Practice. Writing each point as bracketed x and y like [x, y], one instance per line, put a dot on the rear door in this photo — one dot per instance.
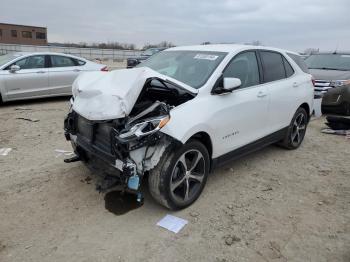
[30, 81]
[282, 82]
[62, 73]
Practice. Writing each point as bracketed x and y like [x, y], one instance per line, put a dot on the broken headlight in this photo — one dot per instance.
[146, 128]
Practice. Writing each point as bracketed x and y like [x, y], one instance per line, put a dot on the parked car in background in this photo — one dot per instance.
[184, 111]
[332, 74]
[132, 62]
[337, 101]
[35, 75]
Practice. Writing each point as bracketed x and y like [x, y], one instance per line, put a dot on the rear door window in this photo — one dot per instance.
[273, 66]
[61, 61]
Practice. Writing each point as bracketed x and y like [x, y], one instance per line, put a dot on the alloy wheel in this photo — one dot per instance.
[299, 129]
[187, 176]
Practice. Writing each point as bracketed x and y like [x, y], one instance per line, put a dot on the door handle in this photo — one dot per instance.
[295, 84]
[40, 72]
[261, 94]
[76, 70]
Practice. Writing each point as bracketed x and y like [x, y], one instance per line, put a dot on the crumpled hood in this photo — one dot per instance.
[105, 96]
[320, 74]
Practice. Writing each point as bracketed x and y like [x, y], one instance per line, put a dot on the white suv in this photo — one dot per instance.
[182, 112]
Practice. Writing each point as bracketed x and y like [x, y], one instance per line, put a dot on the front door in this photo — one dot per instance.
[242, 118]
[31, 80]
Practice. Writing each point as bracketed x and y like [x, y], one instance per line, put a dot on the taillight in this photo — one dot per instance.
[104, 69]
[313, 81]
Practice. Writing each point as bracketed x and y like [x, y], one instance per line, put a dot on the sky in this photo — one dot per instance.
[294, 25]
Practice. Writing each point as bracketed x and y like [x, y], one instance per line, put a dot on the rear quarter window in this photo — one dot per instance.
[288, 67]
[300, 62]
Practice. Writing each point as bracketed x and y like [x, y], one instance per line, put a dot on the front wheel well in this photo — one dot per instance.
[204, 138]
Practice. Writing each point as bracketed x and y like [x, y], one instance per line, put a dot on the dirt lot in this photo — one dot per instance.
[274, 205]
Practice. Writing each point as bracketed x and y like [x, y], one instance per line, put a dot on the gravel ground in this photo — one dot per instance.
[273, 205]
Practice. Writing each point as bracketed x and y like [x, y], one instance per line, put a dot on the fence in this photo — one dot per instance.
[88, 53]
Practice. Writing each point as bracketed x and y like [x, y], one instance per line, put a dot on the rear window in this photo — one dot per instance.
[273, 66]
[299, 61]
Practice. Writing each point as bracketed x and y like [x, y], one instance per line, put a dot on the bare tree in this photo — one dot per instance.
[165, 44]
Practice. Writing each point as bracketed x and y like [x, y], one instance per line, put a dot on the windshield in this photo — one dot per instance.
[190, 67]
[329, 61]
[7, 58]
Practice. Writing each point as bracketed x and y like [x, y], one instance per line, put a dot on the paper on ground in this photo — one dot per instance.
[172, 223]
[5, 151]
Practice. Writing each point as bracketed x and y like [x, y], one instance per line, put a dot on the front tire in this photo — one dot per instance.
[296, 130]
[180, 176]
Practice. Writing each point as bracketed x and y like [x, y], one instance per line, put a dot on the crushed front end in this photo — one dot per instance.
[122, 150]
[119, 150]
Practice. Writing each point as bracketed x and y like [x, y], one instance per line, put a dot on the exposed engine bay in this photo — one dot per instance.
[121, 150]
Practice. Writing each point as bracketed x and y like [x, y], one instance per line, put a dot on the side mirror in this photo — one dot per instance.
[231, 84]
[14, 68]
[225, 85]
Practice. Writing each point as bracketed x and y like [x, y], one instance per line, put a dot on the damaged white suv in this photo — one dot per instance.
[182, 112]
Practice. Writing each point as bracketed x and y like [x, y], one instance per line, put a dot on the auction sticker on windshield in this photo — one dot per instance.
[207, 57]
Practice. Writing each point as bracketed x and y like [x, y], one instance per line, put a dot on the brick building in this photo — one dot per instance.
[22, 34]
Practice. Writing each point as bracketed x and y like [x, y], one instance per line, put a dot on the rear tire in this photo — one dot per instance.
[180, 176]
[296, 130]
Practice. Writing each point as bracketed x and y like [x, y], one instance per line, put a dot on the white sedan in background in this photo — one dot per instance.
[34, 75]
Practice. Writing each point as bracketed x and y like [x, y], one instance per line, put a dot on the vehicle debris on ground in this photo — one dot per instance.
[28, 119]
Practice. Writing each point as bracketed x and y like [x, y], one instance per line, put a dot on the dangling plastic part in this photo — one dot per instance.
[134, 182]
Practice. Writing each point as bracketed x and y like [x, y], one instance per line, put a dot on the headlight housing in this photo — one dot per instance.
[339, 83]
[146, 127]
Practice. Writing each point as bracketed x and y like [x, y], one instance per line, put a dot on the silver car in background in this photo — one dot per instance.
[35, 75]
